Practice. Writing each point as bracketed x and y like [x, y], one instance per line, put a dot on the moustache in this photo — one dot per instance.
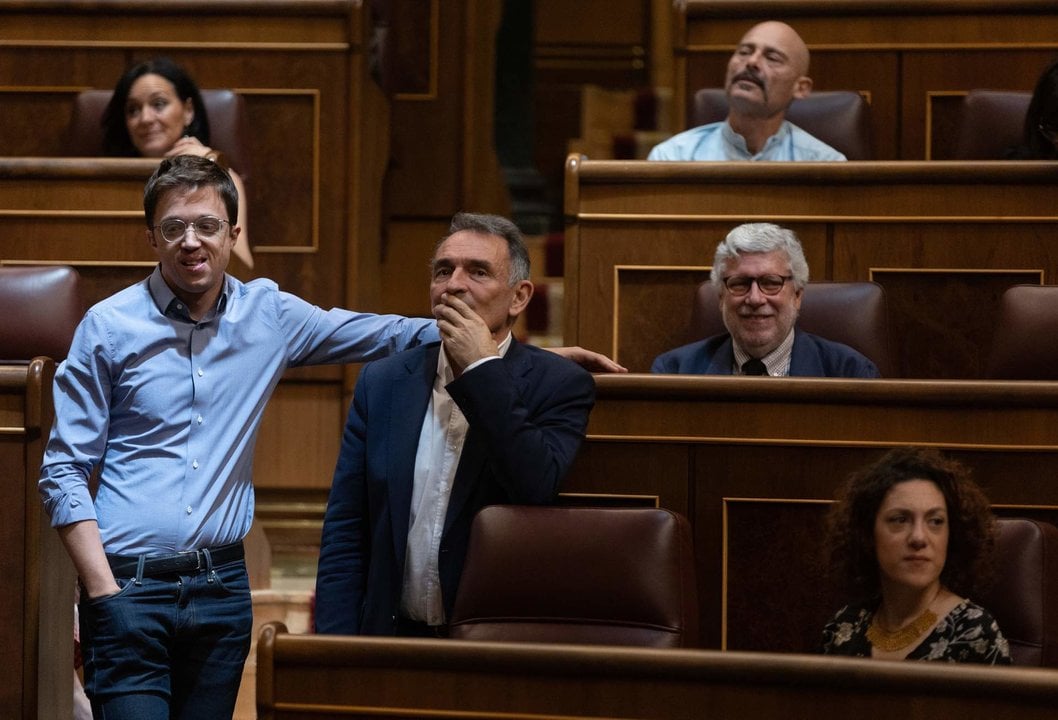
[749, 75]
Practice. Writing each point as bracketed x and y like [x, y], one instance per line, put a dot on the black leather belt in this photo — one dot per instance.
[181, 563]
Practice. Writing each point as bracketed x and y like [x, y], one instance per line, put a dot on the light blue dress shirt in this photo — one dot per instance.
[718, 142]
[171, 407]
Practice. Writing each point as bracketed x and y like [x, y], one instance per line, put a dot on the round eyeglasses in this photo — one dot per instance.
[205, 228]
[739, 285]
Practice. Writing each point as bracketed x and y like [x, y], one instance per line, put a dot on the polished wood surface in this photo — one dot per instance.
[943, 238]
[913, 60]
[82, 212]
[303, 676]
[37, 594]
[752, 462]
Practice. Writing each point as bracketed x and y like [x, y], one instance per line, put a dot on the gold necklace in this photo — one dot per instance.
[893, 640]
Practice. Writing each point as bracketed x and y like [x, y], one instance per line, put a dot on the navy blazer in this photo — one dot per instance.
[811, 356]
[526, 414]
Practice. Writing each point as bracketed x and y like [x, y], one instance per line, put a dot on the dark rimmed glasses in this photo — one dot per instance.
[205, 228]
[739, 285]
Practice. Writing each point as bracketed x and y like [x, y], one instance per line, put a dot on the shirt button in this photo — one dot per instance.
[194, 464]
[199, 419]
[188, 509]
[200, 373]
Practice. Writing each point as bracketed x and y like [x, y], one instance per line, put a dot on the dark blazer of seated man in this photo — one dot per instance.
[760, 273]
[435, 435]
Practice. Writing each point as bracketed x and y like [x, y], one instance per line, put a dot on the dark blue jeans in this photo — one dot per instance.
[169, 647]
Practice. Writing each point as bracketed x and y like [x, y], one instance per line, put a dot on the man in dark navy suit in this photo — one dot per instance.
[436, 433]
[759, 273]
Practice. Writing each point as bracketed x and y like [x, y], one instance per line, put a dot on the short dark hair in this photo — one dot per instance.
[850, 523]
[189, 172]
[500, 227]
[116, 140]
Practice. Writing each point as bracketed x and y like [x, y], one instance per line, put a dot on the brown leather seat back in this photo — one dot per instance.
[991, 122]
[840, 118]
[610, 576]
[1024, 597]
[1025, 343]
[227, 126]
[41, 308]
[852, 313]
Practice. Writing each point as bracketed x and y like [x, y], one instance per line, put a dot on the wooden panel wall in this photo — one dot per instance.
[943, 238]
[910, 57]
[752, 463]
[300, 67]
[37, 594]
[601, 42]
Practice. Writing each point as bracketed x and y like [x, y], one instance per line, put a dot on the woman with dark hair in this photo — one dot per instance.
[1041, 120]
[157, 111]
[912, 536]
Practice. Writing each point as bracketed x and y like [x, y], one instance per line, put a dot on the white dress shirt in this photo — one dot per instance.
[444, 430]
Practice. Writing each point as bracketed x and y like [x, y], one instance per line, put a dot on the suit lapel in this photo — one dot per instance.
[473, 460]
[804, 362]
[723, 360]
[409, 396]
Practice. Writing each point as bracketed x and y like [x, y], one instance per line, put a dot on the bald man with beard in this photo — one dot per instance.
[767, 71]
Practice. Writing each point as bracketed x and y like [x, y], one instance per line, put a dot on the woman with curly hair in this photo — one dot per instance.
[912, 536]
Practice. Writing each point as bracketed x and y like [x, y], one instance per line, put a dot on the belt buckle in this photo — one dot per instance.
[198, 558]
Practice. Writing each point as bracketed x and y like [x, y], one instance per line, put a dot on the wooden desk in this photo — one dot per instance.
[83, 212]
[37, 592]
[943, 238]
[752, 464]
[303, 676]
[912, 59]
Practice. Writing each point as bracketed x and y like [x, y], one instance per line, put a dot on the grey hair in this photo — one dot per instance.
[500, 227]
[760, 238]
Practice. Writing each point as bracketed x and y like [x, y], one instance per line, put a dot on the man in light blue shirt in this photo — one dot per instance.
[162, 392]
[768, 70]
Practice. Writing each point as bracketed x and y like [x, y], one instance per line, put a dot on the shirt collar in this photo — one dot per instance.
[739, 142]
[173, 307]
[777, 361]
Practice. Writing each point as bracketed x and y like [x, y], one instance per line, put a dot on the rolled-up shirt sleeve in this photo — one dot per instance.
[78, 435]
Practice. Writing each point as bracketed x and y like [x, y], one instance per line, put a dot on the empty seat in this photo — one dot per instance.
[840, 118]
[991, 123]
[852, 313]
[1025, 343]
[41, 308]
[610, 576]
[227, 126]
[1024, 596]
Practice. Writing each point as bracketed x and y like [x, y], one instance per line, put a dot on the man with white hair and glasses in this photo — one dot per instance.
[760, 273]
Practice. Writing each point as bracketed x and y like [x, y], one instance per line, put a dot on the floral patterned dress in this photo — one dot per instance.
[967, 634]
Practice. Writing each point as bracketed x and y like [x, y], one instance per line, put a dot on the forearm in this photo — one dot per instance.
[533, 448]
[85, 547]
